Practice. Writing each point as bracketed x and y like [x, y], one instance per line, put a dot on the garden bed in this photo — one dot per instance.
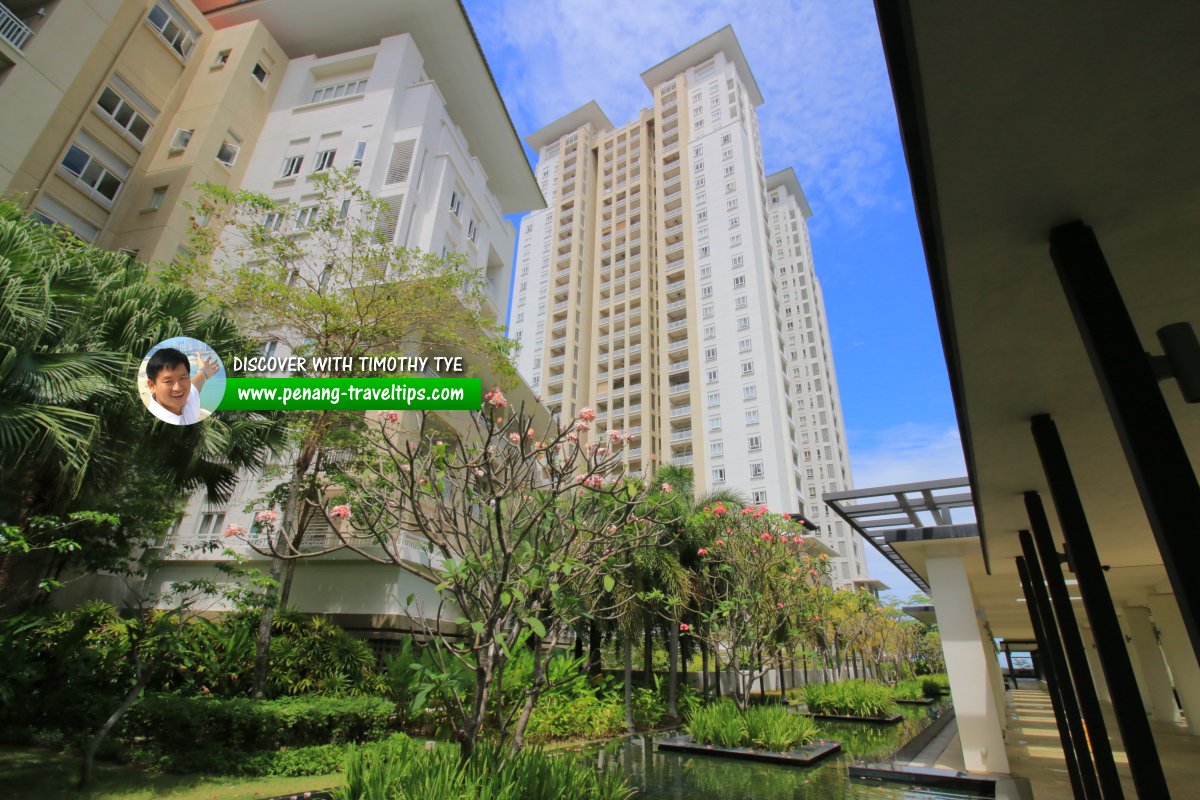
[924, 701]
[800, 757]
[891, 719]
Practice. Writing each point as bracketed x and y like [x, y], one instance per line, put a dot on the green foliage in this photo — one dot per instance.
[421, 683]
[400, 770]
[850, 698]
[585, 716]
[910, 689]
[175, 724]
[936, 685]
[771, 728]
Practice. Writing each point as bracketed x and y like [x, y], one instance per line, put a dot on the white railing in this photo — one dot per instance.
[680, 436]
[12, 30]
[680, 411]
[677, 366]
[680, 345]
[682, 461]
[680, 388]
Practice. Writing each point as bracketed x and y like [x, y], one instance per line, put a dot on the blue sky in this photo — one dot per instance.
[827, 112]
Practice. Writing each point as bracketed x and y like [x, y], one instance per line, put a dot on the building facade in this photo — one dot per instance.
[156, 96]
[651, 289]
[817, 407]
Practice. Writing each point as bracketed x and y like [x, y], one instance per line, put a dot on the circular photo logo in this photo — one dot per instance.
[181, 380]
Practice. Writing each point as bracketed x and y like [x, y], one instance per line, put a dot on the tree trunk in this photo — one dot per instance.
[89, 755]
[648, 655]
[531, 696]
[627, 648]
[782, 680]
[672, 671]
[704, 671]
[577, 654]
[594, 660]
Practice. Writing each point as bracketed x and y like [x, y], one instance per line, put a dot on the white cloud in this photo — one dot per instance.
[827, 112]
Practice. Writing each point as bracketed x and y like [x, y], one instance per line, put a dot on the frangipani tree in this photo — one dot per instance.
[525, 534]
[760, 582]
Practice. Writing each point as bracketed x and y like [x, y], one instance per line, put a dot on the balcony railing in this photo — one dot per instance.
[680, 388]
[12, 30]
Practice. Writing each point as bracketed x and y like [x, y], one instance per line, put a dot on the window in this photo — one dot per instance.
[747, 368]
[735, 240]
[726, 138]
[716, 448]
[752, 416]
[718, 475]
[756, 471]
[707, 312]
[291, 166]
[173, 28]
[754, 442]
[102, 180]
[730, 187]
[360, 151]
[339, 90]
[739, 281]
[760, 498]
[227, 153]
[710, 331]
[744, 345]
[181, 138]
[269, 347]
[260, 73]
[741, 301]
[210, 524]
[455, 203]
[714, 423]
[734, 222]
[273, 221]
[472, 230]
[737, 261]
[727, 153]
[711, 376]
[705, 272]
[221, 60]
[156, 198]
[701, 215]
[324, 160]
[344, 211]
[743, 323]
[714, 398]
[710, 354]
[306, 216]
[125, 116]
[706, 291]
[750, 392]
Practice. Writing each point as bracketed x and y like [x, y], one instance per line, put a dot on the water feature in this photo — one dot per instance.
[674, 776]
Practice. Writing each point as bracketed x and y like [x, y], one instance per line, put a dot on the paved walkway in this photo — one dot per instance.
[1034, 751]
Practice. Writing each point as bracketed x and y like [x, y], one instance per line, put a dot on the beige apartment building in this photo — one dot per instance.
[651, 290]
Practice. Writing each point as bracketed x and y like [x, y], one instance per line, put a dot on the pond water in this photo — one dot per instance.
[678, 776]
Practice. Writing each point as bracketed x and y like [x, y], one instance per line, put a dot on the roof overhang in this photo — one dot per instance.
[924, 614]
[1009, 130]
[589, 113]
[453, 60]
[723, 40]
[787, 179]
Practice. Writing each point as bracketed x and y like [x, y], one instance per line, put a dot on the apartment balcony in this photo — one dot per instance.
[677, 304]
[679, 345]
[12, 30]
[672, 197]
[681, 411]
[561, 306]
[554, 362]
[677, 366]
[555, 398]
[631, 410]
[681, 435]
[676, 285]
[674, 248]
[681, 388]
[634, 452]
[677, 325]
[563, 257]
[635, 430]
[682, 460]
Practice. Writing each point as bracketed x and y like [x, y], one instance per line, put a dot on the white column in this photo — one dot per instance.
[967, 657]
[1177, 647]
[1154, 669]
[1093, 659]
[1134, 661]
[995, 679]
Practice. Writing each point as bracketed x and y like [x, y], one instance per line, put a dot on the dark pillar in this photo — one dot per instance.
[1081, 673]
[1012, 675]
[1155, 452]
[1144, 763]
[1053, 682]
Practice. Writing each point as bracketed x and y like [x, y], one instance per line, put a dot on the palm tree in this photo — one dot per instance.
[681, 483]
[75, 321]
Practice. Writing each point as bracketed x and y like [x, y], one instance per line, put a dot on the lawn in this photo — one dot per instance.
[33, 774]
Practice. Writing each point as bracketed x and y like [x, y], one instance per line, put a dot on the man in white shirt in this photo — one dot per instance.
[174, 391]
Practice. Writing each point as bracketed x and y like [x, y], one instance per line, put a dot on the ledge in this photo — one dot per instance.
[925, 701]
[803, 757]
[922, 776]
[894, 718]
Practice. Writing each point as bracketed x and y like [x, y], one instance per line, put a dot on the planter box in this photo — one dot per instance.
[803, 757]
[894, 718]
[924, 701]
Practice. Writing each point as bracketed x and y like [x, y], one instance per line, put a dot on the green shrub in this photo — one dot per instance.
[936, 685]
[911, 689]
[400, 768]
[765, 727]
[775, 728]
[584, 716]
[721, 724]
[852, 698]
[171, 726]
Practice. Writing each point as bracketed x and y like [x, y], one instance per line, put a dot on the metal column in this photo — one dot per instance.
[1081, 674]
[1144, 763]
[1157, 459]
[1054, 683]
